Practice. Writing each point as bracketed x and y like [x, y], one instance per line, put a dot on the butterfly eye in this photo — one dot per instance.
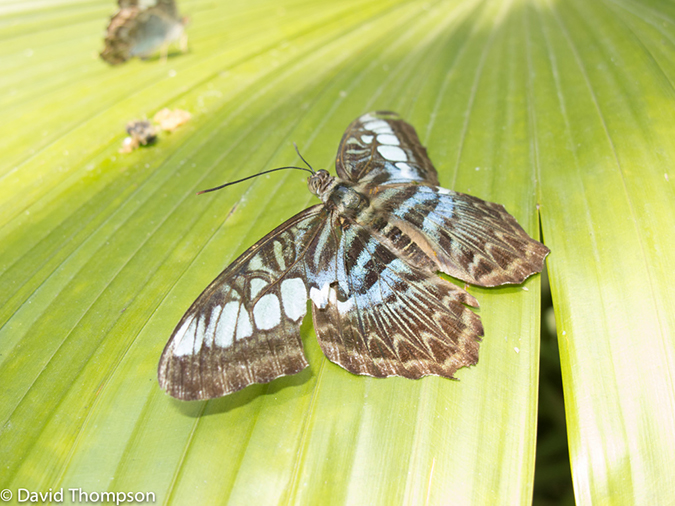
[320, 182]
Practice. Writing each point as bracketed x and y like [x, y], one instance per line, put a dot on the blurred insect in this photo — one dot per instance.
[136, 31]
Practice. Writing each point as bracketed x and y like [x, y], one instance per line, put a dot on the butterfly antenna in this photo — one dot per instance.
[254, 175]
[302, 158]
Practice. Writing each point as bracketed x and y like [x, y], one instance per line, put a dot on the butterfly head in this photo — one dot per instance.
[339, 196]
[320, 183]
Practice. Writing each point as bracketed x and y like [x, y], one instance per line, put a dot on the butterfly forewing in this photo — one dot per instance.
[245, 327]
[380, 148]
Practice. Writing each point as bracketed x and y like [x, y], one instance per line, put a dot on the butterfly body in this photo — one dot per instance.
[366, 258]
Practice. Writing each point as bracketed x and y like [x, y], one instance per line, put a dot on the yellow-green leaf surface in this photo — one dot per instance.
[563, 107]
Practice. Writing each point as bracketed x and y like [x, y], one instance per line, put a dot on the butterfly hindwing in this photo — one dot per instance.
[380, 148]
[245, 327]
[382, 316]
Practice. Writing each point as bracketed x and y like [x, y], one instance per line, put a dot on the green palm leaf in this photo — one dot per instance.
[565, 107]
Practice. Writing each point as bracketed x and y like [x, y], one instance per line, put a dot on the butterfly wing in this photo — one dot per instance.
[382, 316]
[245, 327]
[380, 148]
[470, 239]
[386, 312]
[473, 240]
[133, 31]
[156, 26]
[119, 40]
[168, 7]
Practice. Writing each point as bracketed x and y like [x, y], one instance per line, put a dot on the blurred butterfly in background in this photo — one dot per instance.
[140, 31]
[367, 258]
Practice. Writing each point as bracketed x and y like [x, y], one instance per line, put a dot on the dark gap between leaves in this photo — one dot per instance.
[552, 475]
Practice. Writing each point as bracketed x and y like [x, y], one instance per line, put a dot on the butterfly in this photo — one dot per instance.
[135, 31]
[367, 258]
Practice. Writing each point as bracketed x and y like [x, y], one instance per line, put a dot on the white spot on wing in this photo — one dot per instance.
[244, 328]
[257, 284]
[199, 335]
[255, 264]
[389, 139]
[267, 313]
[294, 297]
[406, 170]
[185, 338]
[392, 153]
[378, 123]
[345, 306]
[383, 130]
[367, 139]
[210, 331]
[320, 296]
[227, 324]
